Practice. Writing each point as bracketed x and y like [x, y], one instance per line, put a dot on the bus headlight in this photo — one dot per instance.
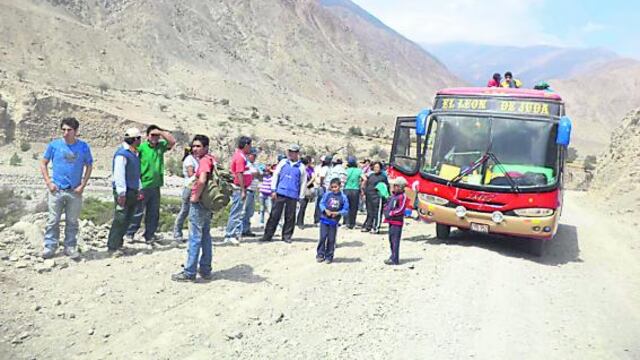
[533, 212]
[461, 211]
[497, 217]
[431, 199]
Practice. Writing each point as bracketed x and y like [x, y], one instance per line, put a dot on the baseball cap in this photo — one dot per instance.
[132, 133]
[294, 147]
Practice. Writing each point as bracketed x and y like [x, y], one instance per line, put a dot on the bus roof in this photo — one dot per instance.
[506, 92]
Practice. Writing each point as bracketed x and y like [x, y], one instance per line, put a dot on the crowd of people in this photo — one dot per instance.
[284, 189]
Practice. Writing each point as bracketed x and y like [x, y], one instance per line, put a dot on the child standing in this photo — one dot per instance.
[265, 193]
[333, 205]
[394, 216]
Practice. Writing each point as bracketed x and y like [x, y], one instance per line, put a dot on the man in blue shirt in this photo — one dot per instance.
[71, 162]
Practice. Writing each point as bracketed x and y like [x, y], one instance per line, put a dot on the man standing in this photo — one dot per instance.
[241, 181]
[321, 174]
[289, 179]
[126, 187]
[70, 158]
[250, 201]
[199, 218]
[151, 154]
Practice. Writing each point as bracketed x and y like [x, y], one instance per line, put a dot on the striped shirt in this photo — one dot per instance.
[265, 186]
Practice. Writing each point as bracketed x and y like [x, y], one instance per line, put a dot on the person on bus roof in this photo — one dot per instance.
[544, 86]
[495, 80]
[510, 82]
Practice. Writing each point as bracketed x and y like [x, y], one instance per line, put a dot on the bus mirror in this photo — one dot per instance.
[564, 131]
[421, 122]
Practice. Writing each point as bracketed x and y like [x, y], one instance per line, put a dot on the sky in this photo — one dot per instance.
[612, 24]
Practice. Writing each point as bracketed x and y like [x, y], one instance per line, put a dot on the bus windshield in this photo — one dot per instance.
[523, 153]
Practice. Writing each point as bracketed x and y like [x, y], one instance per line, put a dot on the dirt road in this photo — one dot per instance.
[471, 297]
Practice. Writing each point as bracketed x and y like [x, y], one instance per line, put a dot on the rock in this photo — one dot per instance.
[41, 268]
[13, 258]
[91, 331]
[4, 255]
[280, 318]
[21, 265]
[58, 302]
[37, 307]
[101, 292]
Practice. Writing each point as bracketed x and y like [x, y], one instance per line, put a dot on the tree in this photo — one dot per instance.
[572, 155]
[590, 162]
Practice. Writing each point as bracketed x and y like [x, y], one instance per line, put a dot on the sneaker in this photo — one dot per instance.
[208, 276]
[182, 277]
[301, 227]
[389, 262]
[115, 253]
[328, 261]
[249, 234]
[72, 253]
[319, 259]
[48, 253]
[365, 230]
[232, 241]
[264, 239]
[288, 241]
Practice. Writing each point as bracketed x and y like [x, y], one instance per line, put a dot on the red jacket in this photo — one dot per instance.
[493, 83]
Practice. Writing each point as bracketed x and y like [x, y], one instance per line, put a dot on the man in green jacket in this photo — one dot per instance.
[151, 154]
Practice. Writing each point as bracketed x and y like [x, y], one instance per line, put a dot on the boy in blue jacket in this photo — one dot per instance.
[333, 205]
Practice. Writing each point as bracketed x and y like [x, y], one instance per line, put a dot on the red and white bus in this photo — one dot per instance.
[489, 160]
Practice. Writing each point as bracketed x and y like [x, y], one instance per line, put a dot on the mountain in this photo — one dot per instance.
[313, 60]
[617, 170]
[598, 100]
[476, 63]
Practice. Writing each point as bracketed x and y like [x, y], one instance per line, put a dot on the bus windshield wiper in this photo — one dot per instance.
[481, 160]
[512, 182]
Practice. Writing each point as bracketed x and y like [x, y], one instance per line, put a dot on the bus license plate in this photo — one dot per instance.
[481, 228]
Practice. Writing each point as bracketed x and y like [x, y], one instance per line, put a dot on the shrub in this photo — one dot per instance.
[374, 150]
[572, 155]
[355, 131]
[224, 102]
[173, 166]
[12, 207]
[103, 86]
[220, 218]
[267, 118]
[590, 162]
[97, 211]
[21, 75]
[15, 160]
[25, 146]
[202, 116]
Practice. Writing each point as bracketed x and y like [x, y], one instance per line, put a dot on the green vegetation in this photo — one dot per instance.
[25, 146]
[572, 155]
[12, 206]
[15, 160]
[173, 166]
[590, 162]
[355, 131]
[97, 211]
[103, 86]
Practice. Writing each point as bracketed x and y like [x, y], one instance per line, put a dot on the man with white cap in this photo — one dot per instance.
[288, 185]
[126, 187]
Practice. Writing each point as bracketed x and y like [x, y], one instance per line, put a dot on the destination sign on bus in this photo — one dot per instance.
[498, 105]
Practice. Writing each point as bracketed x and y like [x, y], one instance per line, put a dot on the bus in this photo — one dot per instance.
[486, 160]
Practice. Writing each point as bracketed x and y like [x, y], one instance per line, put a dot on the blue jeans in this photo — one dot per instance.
[70, 203]
[236, 216]
[150, 208]
[183, 214]
[327, 243]
[199, 239]
[265, 206]
[249, 210]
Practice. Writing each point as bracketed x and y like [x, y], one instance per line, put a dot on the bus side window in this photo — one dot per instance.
[429, 164]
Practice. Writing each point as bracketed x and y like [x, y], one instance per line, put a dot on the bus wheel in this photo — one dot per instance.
[443, 231]
[536, 247]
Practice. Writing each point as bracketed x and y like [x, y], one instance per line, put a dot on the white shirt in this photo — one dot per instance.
[193, 162]
[120, 172]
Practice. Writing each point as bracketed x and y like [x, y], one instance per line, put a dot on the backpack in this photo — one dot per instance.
[217, 191]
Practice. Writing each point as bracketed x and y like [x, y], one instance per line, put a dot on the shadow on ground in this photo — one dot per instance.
[563, 249]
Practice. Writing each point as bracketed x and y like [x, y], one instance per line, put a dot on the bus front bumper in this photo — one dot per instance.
[531, 227]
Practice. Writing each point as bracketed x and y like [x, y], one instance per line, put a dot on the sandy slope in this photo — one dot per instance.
[471, 297]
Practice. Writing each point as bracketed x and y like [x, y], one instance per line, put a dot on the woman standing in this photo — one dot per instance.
[373, 198]
[352, 189]
[189, 167]
[309, 192]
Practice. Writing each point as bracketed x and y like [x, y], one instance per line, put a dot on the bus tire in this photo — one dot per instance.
[442, 231]
[536, 247]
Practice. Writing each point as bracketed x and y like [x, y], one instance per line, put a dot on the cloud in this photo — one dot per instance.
[591, 27]
[498, 22]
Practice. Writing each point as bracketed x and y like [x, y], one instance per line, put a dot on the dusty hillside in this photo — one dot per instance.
[618, 169]
[597, 100]
[302, 58]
